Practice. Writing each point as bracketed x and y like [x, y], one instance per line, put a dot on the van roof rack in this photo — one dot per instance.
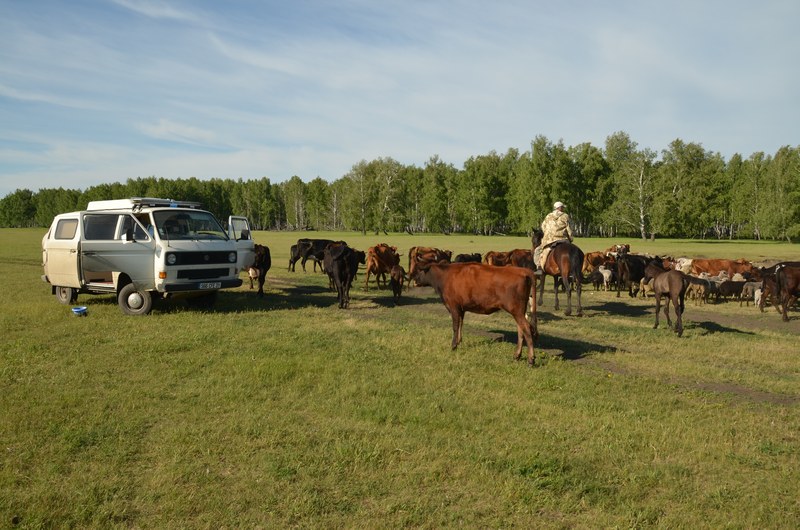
[137, 203]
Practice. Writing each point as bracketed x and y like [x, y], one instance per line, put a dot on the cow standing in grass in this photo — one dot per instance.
[485, 289]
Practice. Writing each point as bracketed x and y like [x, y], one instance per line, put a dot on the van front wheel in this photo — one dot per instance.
[66, 295]
[133, 301]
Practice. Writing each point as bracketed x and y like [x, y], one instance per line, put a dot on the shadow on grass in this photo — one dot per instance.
[622, 309]
[709, 328]
[569, 349]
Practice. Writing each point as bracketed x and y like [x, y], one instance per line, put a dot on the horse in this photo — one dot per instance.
[672, 285]
[564, 262]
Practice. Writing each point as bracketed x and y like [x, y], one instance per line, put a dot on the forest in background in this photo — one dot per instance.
[619, 190]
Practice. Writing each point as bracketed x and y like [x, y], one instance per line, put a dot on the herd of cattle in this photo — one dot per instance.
[506, 280]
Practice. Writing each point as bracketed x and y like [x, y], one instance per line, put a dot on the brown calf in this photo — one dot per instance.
[380, 260]
[485, 289]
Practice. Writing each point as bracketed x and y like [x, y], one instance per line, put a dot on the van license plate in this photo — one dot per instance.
[211, 285]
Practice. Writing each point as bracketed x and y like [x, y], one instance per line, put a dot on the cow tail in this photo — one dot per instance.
[534, 320]
[780, 279]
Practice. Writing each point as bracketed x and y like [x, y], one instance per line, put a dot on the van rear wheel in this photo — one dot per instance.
[66, 295]
[133, 301]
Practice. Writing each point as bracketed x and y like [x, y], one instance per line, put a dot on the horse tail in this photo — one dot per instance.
[576, 265]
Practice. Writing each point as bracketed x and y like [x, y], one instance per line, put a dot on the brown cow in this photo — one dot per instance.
[484, 289]
[714, 266]
[418, 256]
[787, 282]
[520, 257]
[593, 260]
[380, 260]
[398, 278]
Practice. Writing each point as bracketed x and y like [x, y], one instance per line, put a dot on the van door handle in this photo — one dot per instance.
[89, 253]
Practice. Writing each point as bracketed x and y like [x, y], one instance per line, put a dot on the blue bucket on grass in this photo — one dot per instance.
[79, 311]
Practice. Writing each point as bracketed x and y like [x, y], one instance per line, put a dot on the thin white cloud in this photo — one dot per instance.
[157, 10]
[176, 89]
[40, 97]
[177, 132]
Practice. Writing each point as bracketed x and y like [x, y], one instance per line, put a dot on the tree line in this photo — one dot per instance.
[620, 190]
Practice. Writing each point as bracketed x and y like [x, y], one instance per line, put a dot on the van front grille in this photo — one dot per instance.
[202, 274]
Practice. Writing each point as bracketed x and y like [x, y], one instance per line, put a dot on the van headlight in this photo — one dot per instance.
[232, 257]
[172, 259]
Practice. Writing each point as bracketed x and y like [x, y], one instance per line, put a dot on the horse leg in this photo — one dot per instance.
[667, 300]
[555, 291]
[578, 294]
[568, 287]
[658, 309]
[678, 303]
[541, 291]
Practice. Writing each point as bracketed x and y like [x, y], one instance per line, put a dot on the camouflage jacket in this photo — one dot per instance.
[556, 227]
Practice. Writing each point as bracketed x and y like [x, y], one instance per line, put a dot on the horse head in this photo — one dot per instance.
[536, 237]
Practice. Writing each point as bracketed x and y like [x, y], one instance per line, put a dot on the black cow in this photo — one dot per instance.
[310, 249]
[468, 258]
[294, 257]
[630, 271]
[262, 264]
[341, 264]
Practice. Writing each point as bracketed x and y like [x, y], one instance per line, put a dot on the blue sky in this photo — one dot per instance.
[100, 91]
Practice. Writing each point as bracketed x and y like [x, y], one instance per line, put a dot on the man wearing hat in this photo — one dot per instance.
[556, 228]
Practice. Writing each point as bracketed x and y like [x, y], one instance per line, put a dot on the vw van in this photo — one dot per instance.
[142, 249]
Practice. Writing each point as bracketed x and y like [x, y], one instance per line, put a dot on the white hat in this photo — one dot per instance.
[558, 204]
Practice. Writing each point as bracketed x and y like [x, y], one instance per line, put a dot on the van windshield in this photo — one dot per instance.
[187, 225]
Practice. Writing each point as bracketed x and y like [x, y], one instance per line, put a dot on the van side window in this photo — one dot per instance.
[99, 226]
[66, 228]
[128, 222]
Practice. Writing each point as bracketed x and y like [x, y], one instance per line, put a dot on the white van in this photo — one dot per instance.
[144, 248]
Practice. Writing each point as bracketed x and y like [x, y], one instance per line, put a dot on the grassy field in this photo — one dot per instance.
[289, 412]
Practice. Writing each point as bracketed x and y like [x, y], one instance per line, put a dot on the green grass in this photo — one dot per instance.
[288, 412]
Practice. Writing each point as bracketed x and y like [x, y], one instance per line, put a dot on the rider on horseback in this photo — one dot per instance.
[556, 229]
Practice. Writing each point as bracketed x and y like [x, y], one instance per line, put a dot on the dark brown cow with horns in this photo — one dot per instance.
[485, 289]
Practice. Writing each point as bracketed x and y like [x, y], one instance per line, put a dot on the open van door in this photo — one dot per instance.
[239, 231]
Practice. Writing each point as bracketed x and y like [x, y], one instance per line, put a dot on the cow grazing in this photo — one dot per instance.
[261, 264]
[294, 256]
[341, 265]
[397, 279]
[468, 258]
[380, 260]
[310, 249]
[485, 289]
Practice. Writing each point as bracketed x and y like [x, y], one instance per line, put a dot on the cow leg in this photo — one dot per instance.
[524, 332]
[262, 278]
[458, 320]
